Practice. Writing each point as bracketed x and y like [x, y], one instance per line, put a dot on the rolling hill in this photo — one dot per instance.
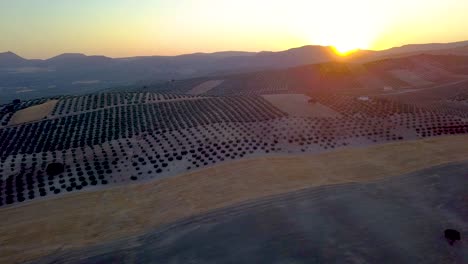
[77, 73]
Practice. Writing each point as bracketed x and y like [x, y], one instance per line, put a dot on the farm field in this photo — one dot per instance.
[118, 137]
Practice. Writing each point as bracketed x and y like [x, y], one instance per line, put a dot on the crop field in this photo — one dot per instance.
[107, 139]
[86, 103]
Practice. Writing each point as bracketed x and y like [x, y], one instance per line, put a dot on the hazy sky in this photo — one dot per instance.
[119, 28]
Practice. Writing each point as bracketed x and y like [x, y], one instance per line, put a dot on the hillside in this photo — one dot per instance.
[376, 77]
[76, 73]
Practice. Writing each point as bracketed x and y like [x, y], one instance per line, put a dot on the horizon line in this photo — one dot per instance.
[226, 51]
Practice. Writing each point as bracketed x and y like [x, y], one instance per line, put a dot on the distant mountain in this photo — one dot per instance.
[67, 56]
[75, 72]
[10, 59]
[423, 47]
[459, 51]
[463, 51]
[221, 54]
[75, 66]
[283, 59]
[454, 48]
[77, 61]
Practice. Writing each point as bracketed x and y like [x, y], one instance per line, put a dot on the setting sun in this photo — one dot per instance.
[351, 27]
[344, 50]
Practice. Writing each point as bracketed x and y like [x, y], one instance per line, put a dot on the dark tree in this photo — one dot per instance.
[54, 169]
[9, 108]
[452, 235]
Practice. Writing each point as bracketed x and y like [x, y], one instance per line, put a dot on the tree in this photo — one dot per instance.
[54, 169]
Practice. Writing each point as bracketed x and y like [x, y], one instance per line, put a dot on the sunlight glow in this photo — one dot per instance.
[344, 50]
[121, 28]
[352, 27]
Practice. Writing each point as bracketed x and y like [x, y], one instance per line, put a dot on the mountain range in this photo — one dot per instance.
[73, 73]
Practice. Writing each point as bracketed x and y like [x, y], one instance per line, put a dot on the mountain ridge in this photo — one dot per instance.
[396, 49]
[70, 73]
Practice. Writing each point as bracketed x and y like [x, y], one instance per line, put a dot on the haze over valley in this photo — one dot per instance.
[76, 73]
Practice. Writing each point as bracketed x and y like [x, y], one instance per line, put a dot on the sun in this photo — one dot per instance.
[344, 50]
[343, 42]
[349, 29]
[346, 44]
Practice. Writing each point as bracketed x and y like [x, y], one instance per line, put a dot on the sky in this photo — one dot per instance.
[123, 28]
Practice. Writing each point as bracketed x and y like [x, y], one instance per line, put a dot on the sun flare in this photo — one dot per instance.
[345, 40]
[344, 50]
[352, 27]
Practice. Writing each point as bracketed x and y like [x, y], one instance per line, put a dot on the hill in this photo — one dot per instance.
[9, 59]
[411, 48]
[375, 77]
[78, 73]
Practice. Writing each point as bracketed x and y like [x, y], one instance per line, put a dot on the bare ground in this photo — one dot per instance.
[298, 105]
[392, 220]
[33, 113]
[205, 87]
